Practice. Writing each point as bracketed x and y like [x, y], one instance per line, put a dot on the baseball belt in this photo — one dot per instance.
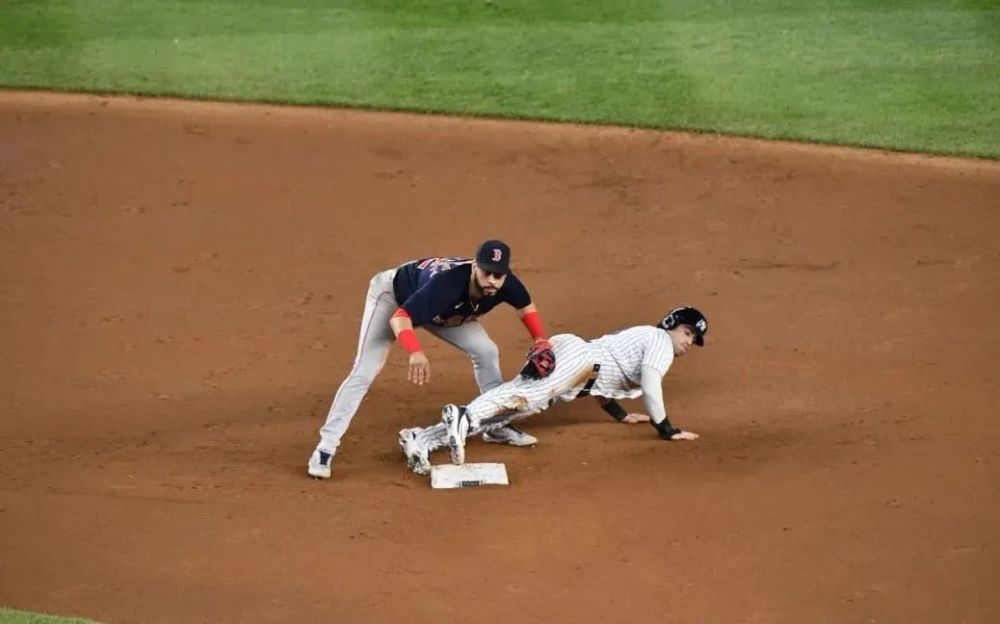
[590, 382]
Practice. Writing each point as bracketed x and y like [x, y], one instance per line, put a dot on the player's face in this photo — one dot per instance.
[488, 282]
[683, 338]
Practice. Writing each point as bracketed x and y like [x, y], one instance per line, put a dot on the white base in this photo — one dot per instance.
[448, 476]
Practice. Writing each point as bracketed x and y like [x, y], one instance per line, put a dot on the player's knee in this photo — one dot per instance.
[364, 375]
[485, 352]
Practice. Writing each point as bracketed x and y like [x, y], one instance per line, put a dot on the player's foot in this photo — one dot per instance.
[417, 457]
[319, 464]
[456, 419]
[509, 434]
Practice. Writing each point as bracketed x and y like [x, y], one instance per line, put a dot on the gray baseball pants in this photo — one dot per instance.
[374, 342]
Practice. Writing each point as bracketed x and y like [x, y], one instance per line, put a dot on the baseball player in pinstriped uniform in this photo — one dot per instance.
[621, 365]
[445, 296]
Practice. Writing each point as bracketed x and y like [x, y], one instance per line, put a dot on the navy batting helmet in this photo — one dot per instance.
[686, 315]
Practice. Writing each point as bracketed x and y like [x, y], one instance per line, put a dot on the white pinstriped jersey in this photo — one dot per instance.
[622, 356]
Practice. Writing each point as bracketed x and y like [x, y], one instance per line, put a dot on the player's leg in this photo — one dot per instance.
[419, 442]
[374, 341]
[520, 397]
[473, 340]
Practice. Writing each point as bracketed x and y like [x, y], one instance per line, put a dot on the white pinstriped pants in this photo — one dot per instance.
[520, 398]
[374, 342]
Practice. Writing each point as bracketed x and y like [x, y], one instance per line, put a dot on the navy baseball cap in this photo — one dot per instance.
[494, 256]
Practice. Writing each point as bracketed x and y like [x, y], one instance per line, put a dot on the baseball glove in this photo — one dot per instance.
[541, 361]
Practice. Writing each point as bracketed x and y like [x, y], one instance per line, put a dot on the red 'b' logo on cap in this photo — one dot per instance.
[497, 255]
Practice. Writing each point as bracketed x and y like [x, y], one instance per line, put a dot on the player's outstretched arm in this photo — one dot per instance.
[652, 395]
[420, 367]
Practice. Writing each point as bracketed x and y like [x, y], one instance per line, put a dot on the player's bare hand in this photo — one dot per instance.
[633, 419]
[684, 435]
[420, 368]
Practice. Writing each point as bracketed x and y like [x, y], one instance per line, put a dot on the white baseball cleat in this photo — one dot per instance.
[456, 419]
[417, 456]
[509, 434]
[319, 464]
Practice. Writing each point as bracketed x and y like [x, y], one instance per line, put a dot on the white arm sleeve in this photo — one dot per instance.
[652, 393]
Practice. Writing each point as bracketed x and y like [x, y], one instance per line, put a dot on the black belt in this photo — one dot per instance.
[590, 382]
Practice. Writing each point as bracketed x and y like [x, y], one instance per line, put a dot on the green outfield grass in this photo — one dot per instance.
[917, 75]
[9, 616]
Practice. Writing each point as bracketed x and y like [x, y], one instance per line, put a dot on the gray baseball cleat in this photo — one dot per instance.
[456, 419]
[319, 464]
[509, 434]
[417, 456]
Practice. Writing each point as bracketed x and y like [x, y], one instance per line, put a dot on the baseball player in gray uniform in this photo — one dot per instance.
[445, 296]
[623, 365]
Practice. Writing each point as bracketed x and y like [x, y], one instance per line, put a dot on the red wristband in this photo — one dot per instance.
[533, 321]
[408, 338]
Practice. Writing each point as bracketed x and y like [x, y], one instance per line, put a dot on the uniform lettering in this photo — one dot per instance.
[437, 265]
